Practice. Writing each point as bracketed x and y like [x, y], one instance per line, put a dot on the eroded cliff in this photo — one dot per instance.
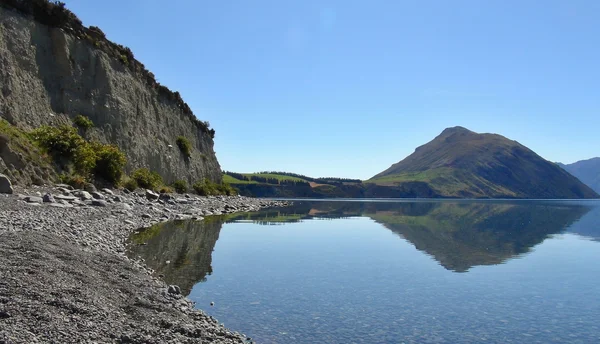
[50, 74]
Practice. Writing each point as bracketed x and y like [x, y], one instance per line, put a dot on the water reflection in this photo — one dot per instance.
[459, 235]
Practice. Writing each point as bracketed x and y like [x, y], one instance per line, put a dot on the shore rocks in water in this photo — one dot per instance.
[5, 185]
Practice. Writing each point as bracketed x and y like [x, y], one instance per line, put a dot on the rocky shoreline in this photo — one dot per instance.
[65, 277]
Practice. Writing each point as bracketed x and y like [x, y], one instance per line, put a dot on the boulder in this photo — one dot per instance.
[48, 198]
[33, 199]
[99, 203]
[151, 195]
[97, 195]
[5, 185]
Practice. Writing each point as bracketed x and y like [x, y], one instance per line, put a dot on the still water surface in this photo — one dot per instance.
[393, 272]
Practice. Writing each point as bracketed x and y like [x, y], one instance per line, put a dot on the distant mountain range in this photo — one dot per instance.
[461, 163]
[588, 171]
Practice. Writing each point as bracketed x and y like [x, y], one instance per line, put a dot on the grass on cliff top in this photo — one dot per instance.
[231, 180]
[279, 177]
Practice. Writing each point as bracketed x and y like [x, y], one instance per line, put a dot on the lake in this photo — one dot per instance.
[392, 271]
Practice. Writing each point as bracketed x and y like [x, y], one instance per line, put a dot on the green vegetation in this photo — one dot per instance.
[231, 180]
[208, 188]
[83, 122]
[124, 59]
[110, 162]
[180, 186]
[144, 178]
[165, 189]
[184, 146]
[130, 184]
[76, 181]
[73, 153]
[21, 142]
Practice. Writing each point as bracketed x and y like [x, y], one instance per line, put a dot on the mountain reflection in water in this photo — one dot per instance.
[457, 234]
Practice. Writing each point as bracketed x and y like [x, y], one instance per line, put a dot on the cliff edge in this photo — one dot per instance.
[52, 69]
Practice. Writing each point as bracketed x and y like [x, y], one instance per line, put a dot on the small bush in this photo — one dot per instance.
[208, 188]
[110, 162]
[226, 189]
[76, 181]
[184, 146]
[165, 189]
[147, 179]
[130, 184]
[124, 59]
[180, 186]
[205, 188]
[83, 122]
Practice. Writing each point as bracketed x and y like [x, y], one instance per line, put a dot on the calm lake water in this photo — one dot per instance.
[393, 272]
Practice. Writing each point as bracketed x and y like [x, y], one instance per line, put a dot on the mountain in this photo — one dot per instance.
[53, 69]
[465, 164]
[588, 171]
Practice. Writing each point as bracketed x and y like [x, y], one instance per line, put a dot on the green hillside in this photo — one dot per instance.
[461, 163]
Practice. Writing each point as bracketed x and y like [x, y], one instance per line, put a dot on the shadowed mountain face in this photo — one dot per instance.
[588, 171]
[461, 163]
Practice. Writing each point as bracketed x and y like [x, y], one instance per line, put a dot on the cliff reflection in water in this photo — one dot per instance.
[179, 250]
[459, 235]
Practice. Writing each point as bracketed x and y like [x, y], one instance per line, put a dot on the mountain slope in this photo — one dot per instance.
[462, 163]
[588, 171]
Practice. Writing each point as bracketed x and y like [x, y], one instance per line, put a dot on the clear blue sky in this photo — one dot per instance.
[346, 88]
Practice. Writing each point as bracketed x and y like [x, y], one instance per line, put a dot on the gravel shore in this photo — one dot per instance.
[65, 278]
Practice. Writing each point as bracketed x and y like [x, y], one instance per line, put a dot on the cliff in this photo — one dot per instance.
[53, 69]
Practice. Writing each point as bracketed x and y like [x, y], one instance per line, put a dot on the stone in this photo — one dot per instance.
[129, 222]
[97, 195]
[108, 191]
[34, 199]
[151, 195]
[48, 198]
[89, 187]
[99, 203]
[146, 216]
[65, 198]
[64, 186]
[165, 197]
[118, 199]
[60, 205]
[63, 191]
[174, 289]
[83, 195]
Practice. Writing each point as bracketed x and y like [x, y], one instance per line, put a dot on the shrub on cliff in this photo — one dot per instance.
[110, 162]
[184, 146]
[83, 122]
[180, 186]
[70, 151]
[147, 179]
[208, 188]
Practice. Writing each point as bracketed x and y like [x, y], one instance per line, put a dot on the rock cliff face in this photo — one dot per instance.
[48, 75]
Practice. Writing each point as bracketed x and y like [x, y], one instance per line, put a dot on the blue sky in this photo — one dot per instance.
[346, 88]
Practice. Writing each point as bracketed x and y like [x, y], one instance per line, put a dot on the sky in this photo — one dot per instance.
[346, 88]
